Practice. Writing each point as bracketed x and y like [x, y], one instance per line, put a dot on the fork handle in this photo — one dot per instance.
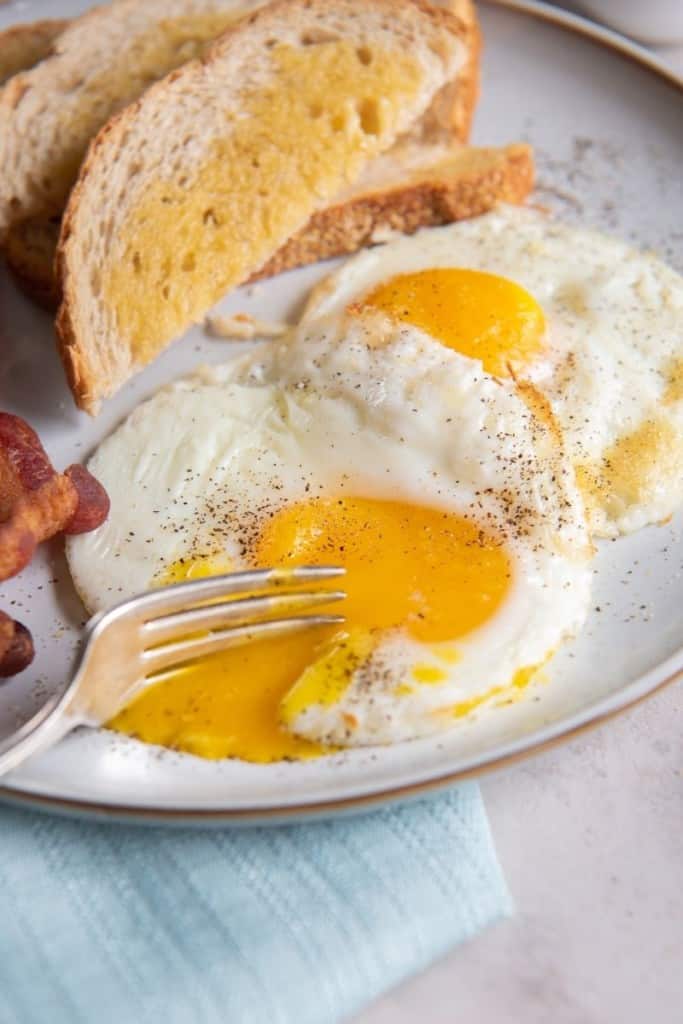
[43, 730]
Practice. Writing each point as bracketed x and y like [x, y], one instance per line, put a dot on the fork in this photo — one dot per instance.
[131, 646]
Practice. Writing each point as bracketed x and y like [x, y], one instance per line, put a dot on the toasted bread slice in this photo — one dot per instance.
[22, 46]
[425, 188]
[49, 114]
[189, 191]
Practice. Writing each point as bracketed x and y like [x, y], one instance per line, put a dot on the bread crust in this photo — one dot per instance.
[22, 46]
[471, 184]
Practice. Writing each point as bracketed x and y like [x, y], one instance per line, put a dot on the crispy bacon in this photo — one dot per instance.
[92, 501]
[16, 646]
[36, 516]
[25, 459]
[36, 503]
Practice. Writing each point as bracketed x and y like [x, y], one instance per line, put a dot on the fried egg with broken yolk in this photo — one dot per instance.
[594, 325]
[360, 444]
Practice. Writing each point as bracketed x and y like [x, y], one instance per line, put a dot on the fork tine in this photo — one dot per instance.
[233, 612]
[164, 657]
[179, 596]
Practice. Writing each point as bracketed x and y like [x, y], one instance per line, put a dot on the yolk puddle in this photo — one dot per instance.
[480, 315]
[429, 674]
[432, 573]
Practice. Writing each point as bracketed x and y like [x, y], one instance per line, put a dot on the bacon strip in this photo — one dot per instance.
[92, 501]
[36, 503]
[36, 516]
[16, 646]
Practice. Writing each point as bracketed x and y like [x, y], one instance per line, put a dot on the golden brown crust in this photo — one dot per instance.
[22, 46]
[467, 187]
[74, 358]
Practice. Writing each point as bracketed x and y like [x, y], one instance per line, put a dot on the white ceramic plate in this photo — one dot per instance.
[607, 125]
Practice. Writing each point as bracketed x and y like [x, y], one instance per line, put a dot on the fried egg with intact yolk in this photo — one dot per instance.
[362, 444]
[594, 325]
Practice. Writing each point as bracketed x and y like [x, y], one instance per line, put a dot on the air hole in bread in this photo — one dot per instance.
[316, 36]
[189, 263]
[364, 54]
[315, 110]
[137, 262]
[339, 122]
[209, 217]
[370, 120]
[166, 291]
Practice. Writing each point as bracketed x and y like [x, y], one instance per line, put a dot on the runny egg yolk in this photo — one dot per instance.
[431, 573]
[480, 315]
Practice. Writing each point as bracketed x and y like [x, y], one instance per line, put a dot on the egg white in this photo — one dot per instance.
[614, 343]
[350, 405]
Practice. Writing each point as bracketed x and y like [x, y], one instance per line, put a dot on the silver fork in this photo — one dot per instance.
[133, 644]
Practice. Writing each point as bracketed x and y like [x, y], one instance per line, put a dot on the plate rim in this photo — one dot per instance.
[589, 718]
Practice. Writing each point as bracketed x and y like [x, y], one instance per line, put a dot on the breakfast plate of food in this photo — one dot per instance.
[390, 287]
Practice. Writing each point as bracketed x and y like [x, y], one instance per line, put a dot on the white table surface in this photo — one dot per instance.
[590, 837]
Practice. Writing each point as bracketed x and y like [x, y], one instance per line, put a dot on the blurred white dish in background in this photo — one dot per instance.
[657, 21]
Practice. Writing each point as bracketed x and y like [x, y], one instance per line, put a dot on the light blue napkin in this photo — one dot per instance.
[295, 925]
